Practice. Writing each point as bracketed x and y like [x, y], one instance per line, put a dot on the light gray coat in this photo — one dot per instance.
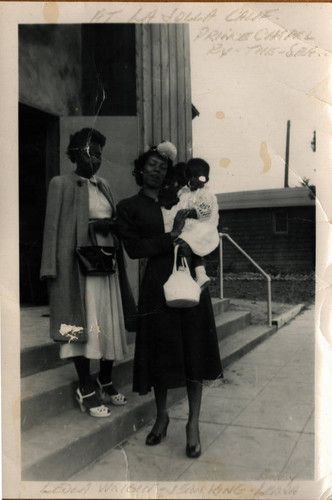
[66, 227]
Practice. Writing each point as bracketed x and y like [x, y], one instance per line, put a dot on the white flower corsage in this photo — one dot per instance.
[70, 331]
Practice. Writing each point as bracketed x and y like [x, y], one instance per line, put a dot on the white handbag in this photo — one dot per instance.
[181, 290]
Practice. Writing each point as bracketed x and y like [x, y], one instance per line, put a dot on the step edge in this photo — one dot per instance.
[139, 407]
[128, 360]
[246, 347]
[226, 361]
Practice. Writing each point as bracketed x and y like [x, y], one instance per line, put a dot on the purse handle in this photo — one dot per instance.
[185, 264]
[183, 261]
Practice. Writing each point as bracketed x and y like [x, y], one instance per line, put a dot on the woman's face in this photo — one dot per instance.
[154, 172]
[89, 160]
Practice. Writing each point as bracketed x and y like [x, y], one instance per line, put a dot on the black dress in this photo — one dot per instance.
[172, 344]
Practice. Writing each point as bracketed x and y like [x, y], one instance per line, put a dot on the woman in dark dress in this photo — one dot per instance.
[174, 347]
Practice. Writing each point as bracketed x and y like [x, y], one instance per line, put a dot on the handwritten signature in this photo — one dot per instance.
[216, 490]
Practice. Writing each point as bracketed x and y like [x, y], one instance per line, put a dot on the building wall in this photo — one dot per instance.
[51, 79]
[109, 76]
[50, 67]
[253, 230]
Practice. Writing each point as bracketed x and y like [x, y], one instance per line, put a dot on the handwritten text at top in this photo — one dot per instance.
[178, 15]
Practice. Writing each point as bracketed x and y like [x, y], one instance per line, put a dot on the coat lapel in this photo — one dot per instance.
[107, 193]
[82, 209]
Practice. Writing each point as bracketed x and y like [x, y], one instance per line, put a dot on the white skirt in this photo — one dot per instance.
[104, 321]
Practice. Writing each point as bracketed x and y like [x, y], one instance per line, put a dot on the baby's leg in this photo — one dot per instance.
[197, 261]
[201, 277]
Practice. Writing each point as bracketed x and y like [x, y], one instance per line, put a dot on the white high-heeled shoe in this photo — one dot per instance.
[99, 411]
[116, 399]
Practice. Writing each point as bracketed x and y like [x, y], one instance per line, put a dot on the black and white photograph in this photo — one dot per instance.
[166, 260]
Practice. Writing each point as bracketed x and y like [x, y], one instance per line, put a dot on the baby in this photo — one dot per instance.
[201, 234]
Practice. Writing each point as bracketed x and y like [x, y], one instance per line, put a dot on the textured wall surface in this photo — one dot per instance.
[50, 67]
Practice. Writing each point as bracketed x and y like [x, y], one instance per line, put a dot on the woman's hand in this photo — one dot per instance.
[104, 226]
[179, 222]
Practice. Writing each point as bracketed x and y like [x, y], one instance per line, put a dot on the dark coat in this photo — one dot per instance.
[66, 227]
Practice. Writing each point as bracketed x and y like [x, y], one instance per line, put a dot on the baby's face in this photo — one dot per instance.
[196, 178]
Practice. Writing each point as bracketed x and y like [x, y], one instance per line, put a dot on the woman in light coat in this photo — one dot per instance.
[85, 311]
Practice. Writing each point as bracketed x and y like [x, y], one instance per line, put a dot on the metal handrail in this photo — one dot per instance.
[266, 276]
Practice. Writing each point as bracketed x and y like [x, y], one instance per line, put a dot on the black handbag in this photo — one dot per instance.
[96, 260]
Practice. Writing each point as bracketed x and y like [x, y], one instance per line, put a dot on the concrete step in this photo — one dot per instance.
[50, 392]
[230, 322]
[64, 444]
[220, 305]
[40, 353]
[38, 359]
[243, 341]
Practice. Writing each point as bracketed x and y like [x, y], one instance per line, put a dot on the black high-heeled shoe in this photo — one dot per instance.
[152, 439]
[195, 450]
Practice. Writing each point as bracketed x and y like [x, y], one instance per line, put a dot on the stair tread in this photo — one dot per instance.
[243, 337]
[54, 378]
[35, 325]
[216, 300]
[57, 377]
[60, 431]
[227, 316]
[56, 438]
[68, 427]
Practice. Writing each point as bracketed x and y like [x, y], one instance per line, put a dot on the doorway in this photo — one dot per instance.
[38, 163]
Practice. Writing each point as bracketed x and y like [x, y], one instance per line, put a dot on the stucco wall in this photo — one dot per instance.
[50, 67]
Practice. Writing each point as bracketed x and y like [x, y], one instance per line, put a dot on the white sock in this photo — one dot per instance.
[200, 270]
